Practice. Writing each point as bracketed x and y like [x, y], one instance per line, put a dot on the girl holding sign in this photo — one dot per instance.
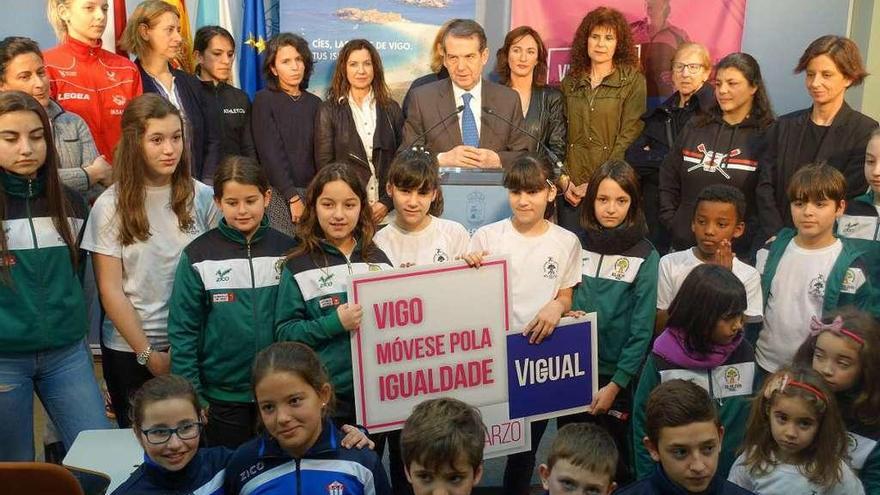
[544, 269]
[703, 342]
[619, 283]
[336, 241]
[417, 236]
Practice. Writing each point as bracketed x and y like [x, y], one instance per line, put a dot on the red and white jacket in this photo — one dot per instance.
[94, 84]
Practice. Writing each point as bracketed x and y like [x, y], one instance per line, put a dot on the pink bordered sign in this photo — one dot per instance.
[427, 332]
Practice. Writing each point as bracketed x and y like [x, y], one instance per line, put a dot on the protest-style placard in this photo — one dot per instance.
[556, 377]
[429, 332]
[504, 436]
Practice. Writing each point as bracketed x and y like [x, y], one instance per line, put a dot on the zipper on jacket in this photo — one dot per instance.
[877, 229]
[253, 294]
[599, 265]
[298, 476]
[27, 203]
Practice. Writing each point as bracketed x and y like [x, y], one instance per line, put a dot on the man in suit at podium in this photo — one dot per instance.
[471, 137]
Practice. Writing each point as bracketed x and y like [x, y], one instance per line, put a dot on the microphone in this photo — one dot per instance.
[553, 158]
[423, 135]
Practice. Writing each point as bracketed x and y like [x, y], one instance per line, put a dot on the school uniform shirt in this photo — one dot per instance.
[204, 475]
[148, 266]
[222, 308]
[864, 443]
[42, 306]
[788, 479]
[619, 283]
[539, 266]
[799, 283]
[442, 240]
[660, 484]
[675, 267]
[312, 287]
[262, 467]
[728, 375]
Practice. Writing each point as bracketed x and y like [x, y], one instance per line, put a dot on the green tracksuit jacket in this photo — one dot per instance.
[222, 308]
[42, 306]
[622, 290]
[313, 285]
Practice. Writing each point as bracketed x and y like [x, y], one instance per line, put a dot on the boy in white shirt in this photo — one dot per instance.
[809, 271]
[718, 220]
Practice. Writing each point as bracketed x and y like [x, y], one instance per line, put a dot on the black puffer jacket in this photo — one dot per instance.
[337, 140]
[545, 120]
[663, 125]
[843, 148]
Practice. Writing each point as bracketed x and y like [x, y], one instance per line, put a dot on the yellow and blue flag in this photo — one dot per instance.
[253, 44]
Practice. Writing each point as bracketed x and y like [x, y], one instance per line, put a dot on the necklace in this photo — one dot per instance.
[294, 98]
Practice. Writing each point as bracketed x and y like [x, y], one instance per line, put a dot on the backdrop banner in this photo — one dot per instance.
[401, 30]
[658, 27]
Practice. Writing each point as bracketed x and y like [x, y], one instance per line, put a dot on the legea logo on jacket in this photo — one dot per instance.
[551, 268]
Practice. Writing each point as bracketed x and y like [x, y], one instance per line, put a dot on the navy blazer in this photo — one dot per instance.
[202, 134]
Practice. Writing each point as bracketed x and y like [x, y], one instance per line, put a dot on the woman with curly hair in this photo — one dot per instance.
[605, 95]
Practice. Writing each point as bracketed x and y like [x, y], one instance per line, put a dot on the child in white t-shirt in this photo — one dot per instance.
[718, 220]
[137, 229]
[544, 268]
[416, 235]
[808, 271]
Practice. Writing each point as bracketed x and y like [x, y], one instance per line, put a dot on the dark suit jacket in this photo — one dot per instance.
[431, 102]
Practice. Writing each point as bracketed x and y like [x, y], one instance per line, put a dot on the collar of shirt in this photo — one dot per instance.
[364, 116]
[476, 102]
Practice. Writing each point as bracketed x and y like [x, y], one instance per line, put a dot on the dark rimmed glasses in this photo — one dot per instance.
[186, 431]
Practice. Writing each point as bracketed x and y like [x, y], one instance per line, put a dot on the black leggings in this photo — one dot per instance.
[124, 377]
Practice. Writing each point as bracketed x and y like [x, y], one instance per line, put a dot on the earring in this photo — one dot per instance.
[323, 404]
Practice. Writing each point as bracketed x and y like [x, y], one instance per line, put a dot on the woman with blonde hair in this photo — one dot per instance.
[153, 36]
[87, 80]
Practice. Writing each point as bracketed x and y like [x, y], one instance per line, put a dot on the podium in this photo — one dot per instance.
[474, 197]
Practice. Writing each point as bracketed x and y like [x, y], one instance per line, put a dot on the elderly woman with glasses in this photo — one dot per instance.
[690, 66]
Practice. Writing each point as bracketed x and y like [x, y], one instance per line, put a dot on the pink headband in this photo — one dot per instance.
[781, 382]
[835, 327]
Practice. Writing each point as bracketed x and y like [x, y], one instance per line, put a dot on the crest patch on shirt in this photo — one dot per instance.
[620, 268]
[817, 286]
[335, 488]
[440, 256]
[551, 268]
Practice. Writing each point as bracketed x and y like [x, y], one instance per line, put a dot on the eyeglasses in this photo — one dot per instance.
[186, 431]
[691, 68]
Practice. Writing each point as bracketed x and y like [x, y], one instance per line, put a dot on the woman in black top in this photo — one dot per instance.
[690, 66]
[214, 49]
[360, 124]
[153, 35]
[829, 131]
[283, 117]
[522, 65]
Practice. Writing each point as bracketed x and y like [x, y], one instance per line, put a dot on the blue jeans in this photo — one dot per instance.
[64, 380]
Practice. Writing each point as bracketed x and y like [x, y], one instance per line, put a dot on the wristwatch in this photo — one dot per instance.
[144, 356]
